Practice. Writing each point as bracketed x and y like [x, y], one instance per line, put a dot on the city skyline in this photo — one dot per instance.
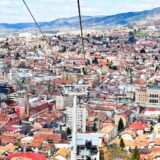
[80, 90]
[48, 10]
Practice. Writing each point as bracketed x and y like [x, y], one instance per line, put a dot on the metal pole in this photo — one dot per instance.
[74, 130]
[85, 154]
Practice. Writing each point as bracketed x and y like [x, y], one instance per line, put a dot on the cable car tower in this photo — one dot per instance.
[73, 90]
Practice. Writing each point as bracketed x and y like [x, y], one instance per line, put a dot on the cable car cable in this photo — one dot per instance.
[33, 18]
[81, 28]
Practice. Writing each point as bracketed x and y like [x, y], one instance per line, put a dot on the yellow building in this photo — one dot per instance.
[156, 129]
[70, 77]
[151, 95]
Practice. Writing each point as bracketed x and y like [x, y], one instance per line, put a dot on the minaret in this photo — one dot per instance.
[10, 75]
[49, 85]
[27, 105]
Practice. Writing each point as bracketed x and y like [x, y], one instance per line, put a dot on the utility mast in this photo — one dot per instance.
[75, 91]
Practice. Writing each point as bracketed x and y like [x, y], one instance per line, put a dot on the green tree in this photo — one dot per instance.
[122, 145]
[120, 125]
[17, 56]
[116, 153]
[158, 119]
[18, 144]
[114, 68]
[78, 52]
[135, 154]
[68, 131]
[94, 128]
[141, 108]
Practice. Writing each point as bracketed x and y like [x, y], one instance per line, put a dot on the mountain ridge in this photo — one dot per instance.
[89, 21]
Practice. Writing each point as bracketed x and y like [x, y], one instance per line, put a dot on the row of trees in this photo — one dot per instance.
[135, 154]
[116, 153]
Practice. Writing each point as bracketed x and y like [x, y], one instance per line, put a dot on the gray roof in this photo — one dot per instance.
[96, 138]
[156, 86]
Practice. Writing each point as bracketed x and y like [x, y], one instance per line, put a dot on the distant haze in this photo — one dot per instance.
[89, 21]
[13, 11]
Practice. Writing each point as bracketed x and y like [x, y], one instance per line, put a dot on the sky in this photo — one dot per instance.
[13, 11]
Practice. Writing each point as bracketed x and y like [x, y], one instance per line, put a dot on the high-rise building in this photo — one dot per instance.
[81, 118]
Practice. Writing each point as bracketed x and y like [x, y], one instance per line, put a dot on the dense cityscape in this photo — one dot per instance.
[60, 100]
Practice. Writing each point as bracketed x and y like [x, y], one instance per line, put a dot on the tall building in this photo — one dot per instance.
[62, 101]
[81, 118]
[59, 102]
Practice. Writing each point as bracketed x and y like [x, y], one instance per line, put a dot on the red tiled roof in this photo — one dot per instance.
[137, 126]
[144, 156]
[55, 137]
[33, 156]
[157, 142]
[152, 109]
[102, 108]
[108, 121]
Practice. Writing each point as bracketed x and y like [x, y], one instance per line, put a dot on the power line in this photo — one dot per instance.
[33, 18]
[37, 25]
[81, 28]
[80, 22]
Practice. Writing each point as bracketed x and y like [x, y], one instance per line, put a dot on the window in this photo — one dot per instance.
[153, 101]
[153, 95]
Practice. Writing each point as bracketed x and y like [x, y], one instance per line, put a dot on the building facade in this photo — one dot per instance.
[151, 95]
[81, 118]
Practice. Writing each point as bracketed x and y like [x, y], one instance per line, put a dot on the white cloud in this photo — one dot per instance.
[45, 10]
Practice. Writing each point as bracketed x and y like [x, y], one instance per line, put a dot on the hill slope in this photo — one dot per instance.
[118, 19]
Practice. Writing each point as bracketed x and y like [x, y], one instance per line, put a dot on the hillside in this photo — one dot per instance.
[89, 21]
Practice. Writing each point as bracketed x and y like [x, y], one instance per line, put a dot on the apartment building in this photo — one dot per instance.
[81, 118]
[150, 95]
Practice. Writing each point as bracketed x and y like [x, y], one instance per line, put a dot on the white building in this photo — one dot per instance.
[152, 112]
[62, 101]
[82, 115]
[59, 102]
[26, 35]
[88, 145]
